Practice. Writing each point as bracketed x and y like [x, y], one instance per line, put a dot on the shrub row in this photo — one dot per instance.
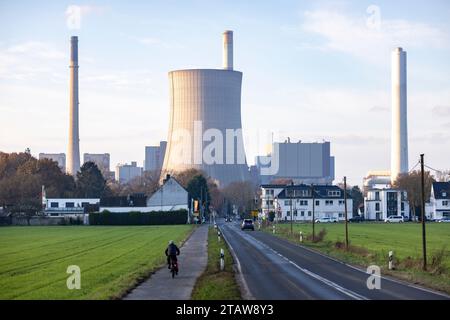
[138, 218]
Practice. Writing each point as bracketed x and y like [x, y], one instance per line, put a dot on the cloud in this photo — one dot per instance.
[356, 34]
[75, 14]
[441, 111]
[378, 109]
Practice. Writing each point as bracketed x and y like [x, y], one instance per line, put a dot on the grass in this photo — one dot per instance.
[370, 243]
[214, 284]
[34, 260]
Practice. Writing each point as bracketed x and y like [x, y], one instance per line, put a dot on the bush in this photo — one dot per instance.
[318, 237]
[138, 218]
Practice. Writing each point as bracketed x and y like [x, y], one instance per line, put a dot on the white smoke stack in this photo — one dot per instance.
[73, 153]
[399, 138]
[228, 50]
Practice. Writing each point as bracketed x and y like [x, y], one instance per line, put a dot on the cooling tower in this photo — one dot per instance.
[205, 121]
[73, 153]
[399, 138]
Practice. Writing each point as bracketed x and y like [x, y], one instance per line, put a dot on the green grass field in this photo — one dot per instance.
[371, 242]
[34, 260]
[214, 284]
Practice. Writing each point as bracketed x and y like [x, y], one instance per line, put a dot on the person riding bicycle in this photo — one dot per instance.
[172, 252]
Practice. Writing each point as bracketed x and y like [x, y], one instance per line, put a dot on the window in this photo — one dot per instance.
[445, 203]
[341, 215]
[295, 213]
[288, 213]
[303, 202]
[402, 206]
[377, 206]
[303, 213]
[317, 202]
[287, 202]
[54, 204]
[271, 202]
[377, 195]
[309, 213]
[70, 205]
[341, 202]
[444, 194]
[328, 202]
[333, 193]
[84, 204]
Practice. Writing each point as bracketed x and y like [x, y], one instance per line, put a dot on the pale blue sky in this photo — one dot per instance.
[313, 70]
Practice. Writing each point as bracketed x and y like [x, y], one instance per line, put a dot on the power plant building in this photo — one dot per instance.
[59, 158]
[102, 160]
[205, 130]
[154, 157]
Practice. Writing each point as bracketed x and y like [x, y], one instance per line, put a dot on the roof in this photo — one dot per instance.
[320, 192]
[278, 186]
[441, 188]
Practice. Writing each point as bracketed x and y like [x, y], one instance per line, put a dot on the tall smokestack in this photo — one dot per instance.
[228, 50]
[399, 139]
[73, 153]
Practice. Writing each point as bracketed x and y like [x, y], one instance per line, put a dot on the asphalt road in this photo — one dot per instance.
[275, 269]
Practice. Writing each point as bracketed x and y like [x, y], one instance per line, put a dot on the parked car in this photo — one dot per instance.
[248, 224]
[398, 219]
[443, 219]
[326, 220]
[356, 219]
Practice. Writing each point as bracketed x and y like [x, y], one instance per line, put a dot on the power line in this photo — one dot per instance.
[433, 169]
[418, 162]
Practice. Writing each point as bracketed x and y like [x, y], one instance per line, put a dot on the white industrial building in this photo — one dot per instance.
[59, 158]
[126, 172]
[301, 162]
[154, 157]
[69, 207]
[324, 200]
[440, 200]
[380, 203]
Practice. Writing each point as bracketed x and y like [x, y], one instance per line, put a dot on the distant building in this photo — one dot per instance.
[59, 158]
[154, 157]
[170, 196]
[302, 162]
[101, 160]
[298, 200]
[376, 180]
[440, 200]
[380, 203]
[268, 194]
[126, 172]
[70, 207]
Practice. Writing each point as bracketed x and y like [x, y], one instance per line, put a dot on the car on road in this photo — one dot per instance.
[326, 220]
[248, 224]
[443, 219]
[356, 219]
[398, 219]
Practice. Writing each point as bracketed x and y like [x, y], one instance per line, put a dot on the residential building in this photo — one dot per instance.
[59, 158]
[170, 196]
[126, 172]
[440, 200]
[70, 207]
[267, 199]
[154, 157]
[303, 201]
[380, 203]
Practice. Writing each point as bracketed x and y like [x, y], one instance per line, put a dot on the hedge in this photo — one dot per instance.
[138, 218]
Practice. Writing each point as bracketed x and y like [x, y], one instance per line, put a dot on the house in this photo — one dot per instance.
[77, 208]
[440, 200]
[380, 203]
[302, 200]
[170, 196]
[268, 194]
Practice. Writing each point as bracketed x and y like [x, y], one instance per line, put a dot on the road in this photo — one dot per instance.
[275, 269]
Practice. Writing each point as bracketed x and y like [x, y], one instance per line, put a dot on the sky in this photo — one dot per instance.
[312, 71]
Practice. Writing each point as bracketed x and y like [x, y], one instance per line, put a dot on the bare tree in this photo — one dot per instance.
[241, 194]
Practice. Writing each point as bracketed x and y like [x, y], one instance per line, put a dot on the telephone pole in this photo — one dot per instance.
[292, 190]
[313, 212]
[424, 241]
[345, 205]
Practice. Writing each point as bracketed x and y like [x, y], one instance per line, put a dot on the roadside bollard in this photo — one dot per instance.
[391, 260]
[301, 236]
[218, 236]
[259, 225]
[273, 229]
[222, 260]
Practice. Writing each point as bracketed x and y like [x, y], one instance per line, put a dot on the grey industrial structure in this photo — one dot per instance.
[154, 157]
[73, 152]
[59, 158]
[201, 101]
[302, 162]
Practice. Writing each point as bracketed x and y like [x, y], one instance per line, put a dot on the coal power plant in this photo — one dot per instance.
[73, 152]
[205, 130]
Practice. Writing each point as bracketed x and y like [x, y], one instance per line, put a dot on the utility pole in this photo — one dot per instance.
[424, 241]
[292, 214]
[345, 205]
[313, 213]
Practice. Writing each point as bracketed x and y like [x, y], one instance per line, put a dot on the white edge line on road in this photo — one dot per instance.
[383, 277]
[246, 293]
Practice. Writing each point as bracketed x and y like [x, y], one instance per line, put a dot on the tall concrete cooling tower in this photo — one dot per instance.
[205, 121]
[73, 153]
[399, 138]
